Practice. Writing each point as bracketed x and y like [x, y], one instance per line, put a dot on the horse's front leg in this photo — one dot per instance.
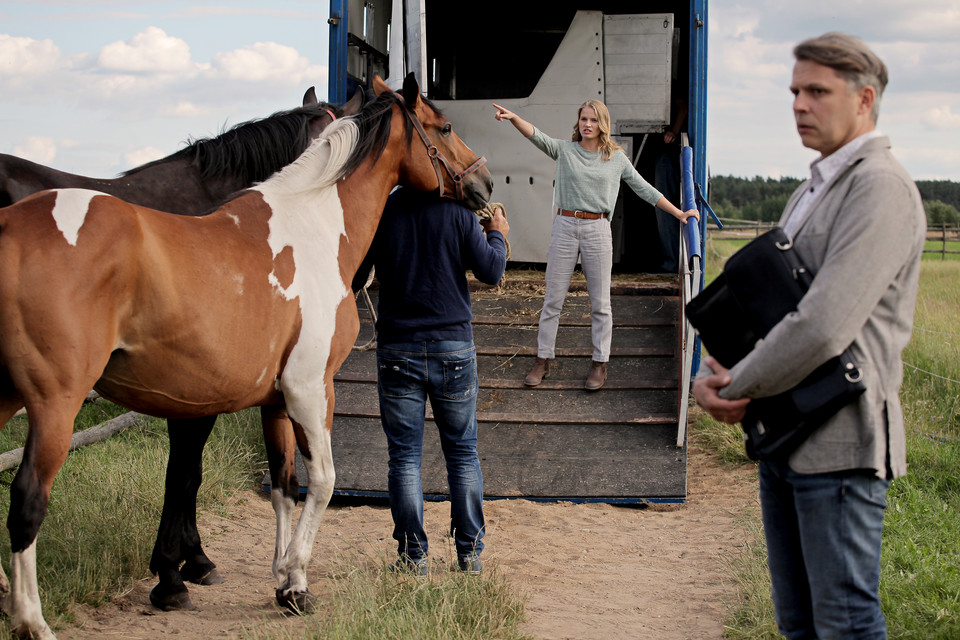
[312, 413]
[281, 448]
[48, 441]
[178, 540]
[8, 408]
[316, 451]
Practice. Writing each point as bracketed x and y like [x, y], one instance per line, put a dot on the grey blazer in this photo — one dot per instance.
[863, 240]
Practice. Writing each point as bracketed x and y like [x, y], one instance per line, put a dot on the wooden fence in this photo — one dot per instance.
[942, 233]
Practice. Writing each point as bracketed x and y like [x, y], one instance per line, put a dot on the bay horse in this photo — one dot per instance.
[185, 317]
[200, 176]
[190, 181]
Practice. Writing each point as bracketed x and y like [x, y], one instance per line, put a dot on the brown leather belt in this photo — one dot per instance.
[584, 215]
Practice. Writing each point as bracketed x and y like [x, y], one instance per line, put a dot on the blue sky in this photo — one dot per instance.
[97, 87]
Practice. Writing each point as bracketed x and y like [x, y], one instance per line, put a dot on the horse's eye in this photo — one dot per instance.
[447, 128]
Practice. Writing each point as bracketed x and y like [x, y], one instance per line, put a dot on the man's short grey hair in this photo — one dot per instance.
[851, 58]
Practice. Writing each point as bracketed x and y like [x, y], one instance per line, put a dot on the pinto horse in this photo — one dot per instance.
[200, 176]
[190, 182]
[184, 317]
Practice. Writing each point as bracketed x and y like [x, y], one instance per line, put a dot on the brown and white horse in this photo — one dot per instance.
[186, 317]
[191, 181]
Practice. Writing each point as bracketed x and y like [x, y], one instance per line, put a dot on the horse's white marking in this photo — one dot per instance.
[321, 477]
[308, 217]
[4, 588]
[283, 506]
[70, 211]
[275, 283]
[238, 279]
[235, 218]
[26, 614]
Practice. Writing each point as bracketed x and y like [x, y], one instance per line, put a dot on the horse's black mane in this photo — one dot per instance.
[251, 151]
[374, 124]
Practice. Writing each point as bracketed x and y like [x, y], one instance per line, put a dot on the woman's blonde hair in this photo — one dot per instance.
[607, 145]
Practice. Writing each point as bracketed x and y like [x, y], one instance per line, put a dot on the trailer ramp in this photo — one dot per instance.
[556, 441]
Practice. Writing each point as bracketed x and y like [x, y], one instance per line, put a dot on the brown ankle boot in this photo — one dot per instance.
[596, 377]
[540, 370]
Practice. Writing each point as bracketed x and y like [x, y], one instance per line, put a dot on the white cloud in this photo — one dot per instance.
[26, 56]
[929, 162]
[264, 61]
[142, 156]
[183, 109]
[38, 149]
[941, 118]
[151, 50]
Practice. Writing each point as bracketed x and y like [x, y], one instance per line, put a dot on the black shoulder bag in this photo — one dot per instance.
[760, 284]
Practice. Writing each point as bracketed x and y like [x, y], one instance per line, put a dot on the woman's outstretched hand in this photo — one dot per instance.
[503, 114]
[519, 123]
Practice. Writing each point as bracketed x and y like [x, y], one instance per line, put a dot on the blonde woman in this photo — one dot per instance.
[590, 167]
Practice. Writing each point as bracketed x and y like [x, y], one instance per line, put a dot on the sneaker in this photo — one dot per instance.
[409, 566]
[470, 565]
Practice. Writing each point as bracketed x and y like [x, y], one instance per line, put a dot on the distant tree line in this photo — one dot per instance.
[763, 199]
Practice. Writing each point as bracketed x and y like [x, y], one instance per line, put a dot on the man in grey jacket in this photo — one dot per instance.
[859, 225]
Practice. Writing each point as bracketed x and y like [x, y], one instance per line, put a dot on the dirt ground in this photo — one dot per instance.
[589, 571]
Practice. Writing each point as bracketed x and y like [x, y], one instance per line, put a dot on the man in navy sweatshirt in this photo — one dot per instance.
[422, 251]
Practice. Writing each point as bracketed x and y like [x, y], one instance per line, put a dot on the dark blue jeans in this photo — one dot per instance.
[446, 373]
[823, 536]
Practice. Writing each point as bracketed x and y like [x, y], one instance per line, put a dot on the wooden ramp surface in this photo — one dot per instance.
[556, 441]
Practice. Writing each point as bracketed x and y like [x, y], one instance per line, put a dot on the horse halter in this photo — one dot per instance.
[437, 158]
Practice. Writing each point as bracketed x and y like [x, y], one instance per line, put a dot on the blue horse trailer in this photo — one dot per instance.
[647, 61]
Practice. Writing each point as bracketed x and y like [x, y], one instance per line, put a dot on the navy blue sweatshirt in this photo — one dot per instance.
[422, 250]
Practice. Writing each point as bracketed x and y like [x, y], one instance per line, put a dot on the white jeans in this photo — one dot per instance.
[591, 242]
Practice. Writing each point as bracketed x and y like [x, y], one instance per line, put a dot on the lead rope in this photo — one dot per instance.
[370, 344]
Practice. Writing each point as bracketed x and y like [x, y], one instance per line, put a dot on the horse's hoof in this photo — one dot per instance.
[25, 631]
[201, 575]
[299, 603]
[174, 600]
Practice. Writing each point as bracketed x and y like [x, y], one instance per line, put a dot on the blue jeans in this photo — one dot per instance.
[446, 373]
[823, 536]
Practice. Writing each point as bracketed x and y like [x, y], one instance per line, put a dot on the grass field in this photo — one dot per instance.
[920, 579]
[94, 544]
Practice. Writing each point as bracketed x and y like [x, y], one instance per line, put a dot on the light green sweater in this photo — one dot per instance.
[585, 182]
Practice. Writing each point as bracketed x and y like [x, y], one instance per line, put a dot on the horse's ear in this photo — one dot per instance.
[379, 86]
[411, 90]
[354, 104]
[310, 97]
